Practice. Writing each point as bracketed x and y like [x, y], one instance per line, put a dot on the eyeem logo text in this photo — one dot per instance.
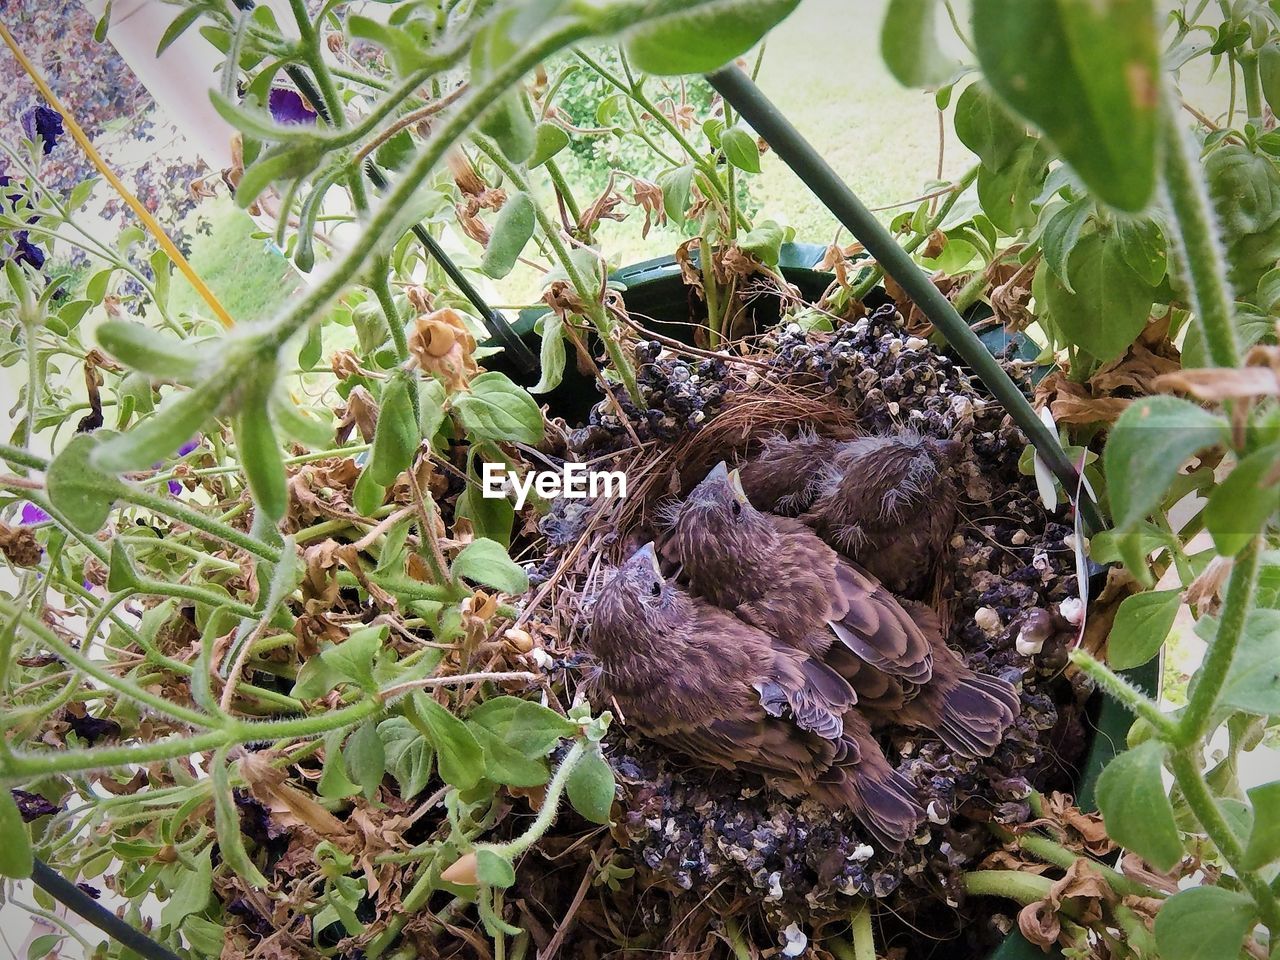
[575, 481]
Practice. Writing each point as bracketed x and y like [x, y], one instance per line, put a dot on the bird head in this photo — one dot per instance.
[900, 472]
[636, 597]
[715, 522]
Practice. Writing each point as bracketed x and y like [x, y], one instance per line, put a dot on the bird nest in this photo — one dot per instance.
[709, 846]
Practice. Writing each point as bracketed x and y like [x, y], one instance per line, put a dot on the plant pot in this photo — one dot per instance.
[654, 289]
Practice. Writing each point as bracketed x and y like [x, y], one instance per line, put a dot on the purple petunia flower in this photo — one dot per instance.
[40, 121]
[31, 514]
[24, 251]
[287, 106]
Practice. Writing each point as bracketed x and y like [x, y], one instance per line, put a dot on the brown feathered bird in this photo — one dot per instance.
[725, 694]
[883, 501]
[775, 574]
[888, 503]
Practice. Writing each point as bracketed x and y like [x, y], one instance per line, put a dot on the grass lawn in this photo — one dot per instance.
[250, 277]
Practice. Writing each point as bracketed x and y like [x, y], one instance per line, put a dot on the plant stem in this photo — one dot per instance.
[550, 806]
[1197, 720]
[869, 282]
[1050, 852]
[1185, 766]
[588, 293]
[864, 938]
[1201, 252]
[1251, 70]
[1014, 885]
[1121, 689]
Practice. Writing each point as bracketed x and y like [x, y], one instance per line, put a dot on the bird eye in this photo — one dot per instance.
[736, 507]
[656, 589]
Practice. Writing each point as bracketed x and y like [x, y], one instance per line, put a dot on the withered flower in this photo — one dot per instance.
[443, 347]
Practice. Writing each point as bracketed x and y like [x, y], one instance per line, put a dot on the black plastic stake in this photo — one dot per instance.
[85, 907]
[798, 154]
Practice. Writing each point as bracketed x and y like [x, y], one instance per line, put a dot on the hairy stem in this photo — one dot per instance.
[1121, 689]
[1201, 253]
[1198, 717]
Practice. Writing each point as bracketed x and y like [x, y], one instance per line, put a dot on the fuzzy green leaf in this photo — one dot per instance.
[1149, 443]
[706, 38]
[497, 409]
[1142, 623]
[1203, 923]
[591, 787]
[1088, 75]
[1136, 809]
[486, 561]
[909, 44]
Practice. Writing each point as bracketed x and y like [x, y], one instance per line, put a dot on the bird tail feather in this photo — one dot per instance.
[881, 799]
[974, 712]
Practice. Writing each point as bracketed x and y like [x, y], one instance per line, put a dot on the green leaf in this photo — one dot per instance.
[1253, 683]
[551, 355]
[486, 561]
[334, 783]
[121, 574]
[909, 44]
[506, 765]
[1008, 194]
[1203, 923]
[1149, 443]
[16, 859]
[1142, 623]
[510, 127]
[178, 27]
[78, 489]
[1241, 504]
[1136, 808]
[1143, 246]
[397, 435]
[764, 242]
[157, 354]
[740, 148]
[548, 140]
[459, 755]
[1088, 74]
[706, 38]
[396, 152]
[676, 185]
[44, 945]
[1263, 847]
[591, 786]
[1110, 303]
[180, 417]
[491, 517]
[205, 937]
[366, 759]
[1269, 70]
[496, 409]
[528, 727]
[1060, 236]
[259, 451]
[984, 126]
[512, 230]
[1245, 188]
[351, 660]
[409, 755]
[493, 869]
[192, 891]
[226, 821]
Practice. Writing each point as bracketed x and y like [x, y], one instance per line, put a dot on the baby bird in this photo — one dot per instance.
[775, 574]
[888, 503]
[725, 694]
[786, 476]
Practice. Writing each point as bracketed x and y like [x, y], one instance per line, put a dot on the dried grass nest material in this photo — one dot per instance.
[715, 842]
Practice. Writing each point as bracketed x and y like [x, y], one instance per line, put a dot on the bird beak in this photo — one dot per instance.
[719, 472]
[648, 553]
[735, 484]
